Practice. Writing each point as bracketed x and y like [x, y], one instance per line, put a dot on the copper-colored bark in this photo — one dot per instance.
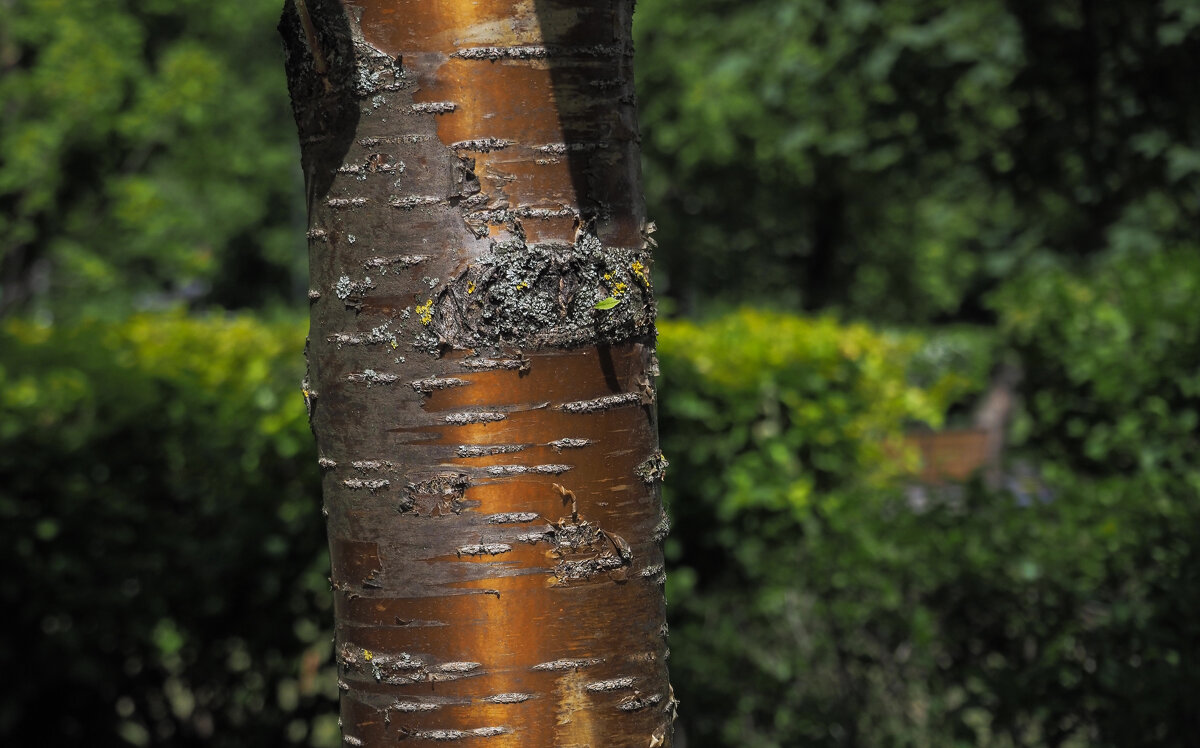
[488, 434]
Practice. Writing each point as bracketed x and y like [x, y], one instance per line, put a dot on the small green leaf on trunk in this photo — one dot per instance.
[608, 303]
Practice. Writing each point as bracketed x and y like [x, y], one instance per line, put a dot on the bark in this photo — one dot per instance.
[481, 363]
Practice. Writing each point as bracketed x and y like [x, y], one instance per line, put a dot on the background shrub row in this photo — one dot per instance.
[165, 585]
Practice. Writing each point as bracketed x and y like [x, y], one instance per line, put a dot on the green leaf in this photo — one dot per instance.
[608, 303]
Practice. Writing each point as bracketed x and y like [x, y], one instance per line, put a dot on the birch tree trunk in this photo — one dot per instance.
[481, 363]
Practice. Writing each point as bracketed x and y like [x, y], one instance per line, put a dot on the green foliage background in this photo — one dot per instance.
[909, 192]
[149, 156]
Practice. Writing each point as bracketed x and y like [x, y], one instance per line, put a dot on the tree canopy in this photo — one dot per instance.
[147, 156]
[898, 160]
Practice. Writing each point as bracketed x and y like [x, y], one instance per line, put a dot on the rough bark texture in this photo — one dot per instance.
[481, 369]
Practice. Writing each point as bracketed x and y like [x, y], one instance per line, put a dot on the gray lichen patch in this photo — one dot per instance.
[368, 465]
[569, 443]
[352, 291]
[527, 52]
[377, 72]
[505, 518]
[653, 469]
[397, 262]
[402, 669]
[481, 145]
[613, 684]
[410, 138]
[434, 107]
[409, 202]
[371, 377]
[375, 336]
[606, 402]
[561, 149]
[537, 52]
[585, 568]
[507, 698]
[501, 470]
[346, 202]
[412, 706]
[476, 416]
[484, 549]
[566, 664]
[356, 484]
[353, 658]
[651, 571]
[487, 450]
[639, 701]
[556, 295]
[662, 529]
[402, 662]
[376, 163]
[431, 384]
[449, 735]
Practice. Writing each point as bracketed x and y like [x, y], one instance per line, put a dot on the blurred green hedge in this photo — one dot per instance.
[814, 604]
[160, 524]
[166, 586]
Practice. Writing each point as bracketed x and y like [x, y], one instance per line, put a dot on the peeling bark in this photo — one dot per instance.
[482, 339]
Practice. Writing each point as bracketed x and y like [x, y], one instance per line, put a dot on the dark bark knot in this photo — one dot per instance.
[556, 295]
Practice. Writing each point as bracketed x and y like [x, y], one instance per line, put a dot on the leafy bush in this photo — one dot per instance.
[1112, 394]
[783, 409]
[1114, 362]
[777, 429]
[161, 532]
[813, 604]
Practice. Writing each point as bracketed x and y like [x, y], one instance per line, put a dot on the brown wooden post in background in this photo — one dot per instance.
[481, 363]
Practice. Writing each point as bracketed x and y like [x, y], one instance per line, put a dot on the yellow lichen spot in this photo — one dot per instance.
[425, 311]
[522, 286]
[608, 277]
[394, 344]
[471, 287]
[620, 289]
[639, 270]
[368, 655]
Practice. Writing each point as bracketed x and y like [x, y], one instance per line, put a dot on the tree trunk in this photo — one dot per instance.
[481, 368]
